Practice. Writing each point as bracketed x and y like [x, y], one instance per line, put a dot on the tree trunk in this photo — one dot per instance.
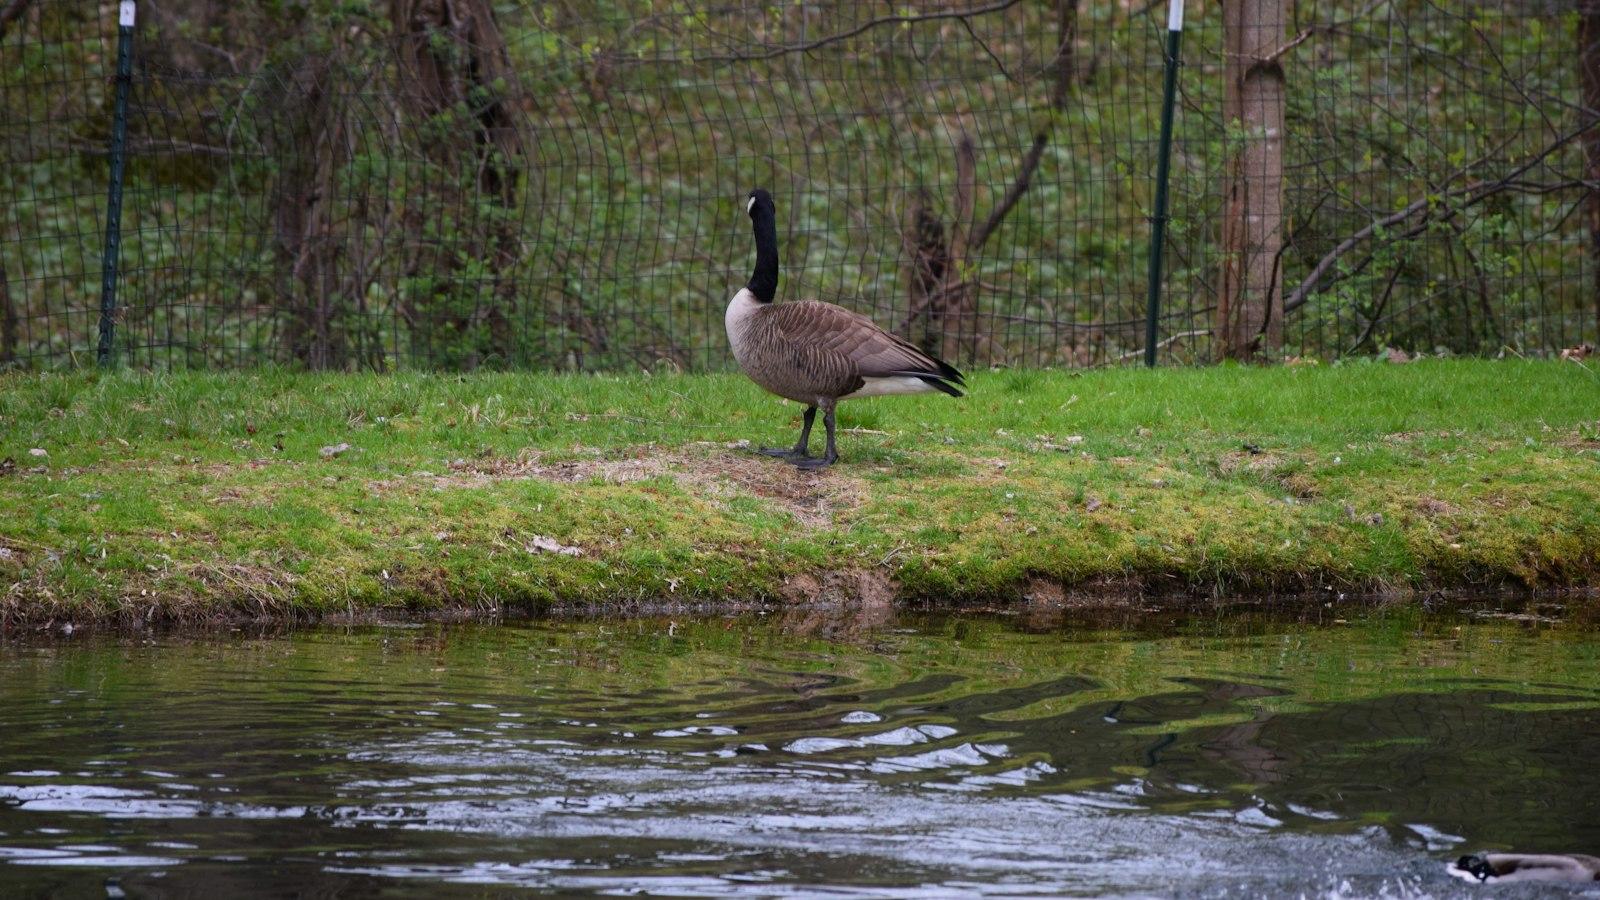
[453, 57]
[927, 259]
[10, 12]
[1249, 323]
[306, 187]
[1589, 62]
[8, 323]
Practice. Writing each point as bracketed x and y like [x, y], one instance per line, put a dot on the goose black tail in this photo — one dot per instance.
[950, 373]
[939, 381]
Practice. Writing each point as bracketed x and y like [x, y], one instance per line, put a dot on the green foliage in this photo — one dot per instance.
[618, 233]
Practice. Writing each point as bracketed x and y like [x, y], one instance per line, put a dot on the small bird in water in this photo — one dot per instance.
[817, 353]
[1492, 868]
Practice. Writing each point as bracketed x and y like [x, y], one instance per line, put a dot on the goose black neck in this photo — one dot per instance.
[764, 280]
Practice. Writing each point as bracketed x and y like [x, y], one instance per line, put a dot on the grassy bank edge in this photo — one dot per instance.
[1480, 476]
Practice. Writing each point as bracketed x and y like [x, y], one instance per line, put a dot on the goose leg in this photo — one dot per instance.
[801, 446]
[832, 455]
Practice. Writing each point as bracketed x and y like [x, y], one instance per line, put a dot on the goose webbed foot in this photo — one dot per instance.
[815, 462]
[832, 455]
[798, 453]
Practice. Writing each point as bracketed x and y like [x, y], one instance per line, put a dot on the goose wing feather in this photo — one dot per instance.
[849, 337]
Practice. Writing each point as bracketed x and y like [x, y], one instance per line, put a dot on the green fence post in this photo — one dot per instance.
[1158, 221]
[126, 13]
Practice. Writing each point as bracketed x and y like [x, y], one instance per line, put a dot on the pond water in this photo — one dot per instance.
[810, 751]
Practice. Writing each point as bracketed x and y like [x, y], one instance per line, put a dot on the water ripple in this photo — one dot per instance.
[719, 760]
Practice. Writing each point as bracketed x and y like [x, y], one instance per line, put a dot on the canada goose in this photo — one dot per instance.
[1497, 867]
[817, 353]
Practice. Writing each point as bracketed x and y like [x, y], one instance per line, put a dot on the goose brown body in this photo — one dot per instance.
[809, 351]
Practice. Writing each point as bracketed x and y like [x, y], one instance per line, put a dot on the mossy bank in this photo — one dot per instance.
[132, 498]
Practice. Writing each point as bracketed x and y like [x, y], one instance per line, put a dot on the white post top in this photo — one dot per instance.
[126, 12]
[1174, 15]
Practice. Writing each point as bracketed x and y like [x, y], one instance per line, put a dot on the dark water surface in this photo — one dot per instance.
[800, 753]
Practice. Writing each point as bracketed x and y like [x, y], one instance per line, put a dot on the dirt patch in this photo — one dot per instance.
[1301, 485]
[1585, 437]
[1267, 464]
[1259, 463]
[637, 464]
[811, 497]
[712, 471]
[1430, 506]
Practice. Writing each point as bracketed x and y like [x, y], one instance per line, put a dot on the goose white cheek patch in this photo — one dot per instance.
[751, 204]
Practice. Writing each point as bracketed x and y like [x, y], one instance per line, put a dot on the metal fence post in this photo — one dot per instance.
[126, 12]
[1158, 221]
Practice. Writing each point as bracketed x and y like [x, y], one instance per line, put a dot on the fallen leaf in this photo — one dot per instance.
[335, 450]
[1092, 504]
[542, 544]
[1396, 355]
[39, 452]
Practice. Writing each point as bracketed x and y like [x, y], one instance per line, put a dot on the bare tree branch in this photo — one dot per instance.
[1182, 335]
[169, 145]
[1067, 33]
[1474, 193]
[1305, 34]
[863, 27]
[1377, 312]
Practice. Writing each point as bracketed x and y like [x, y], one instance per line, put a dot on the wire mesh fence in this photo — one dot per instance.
[463, 183]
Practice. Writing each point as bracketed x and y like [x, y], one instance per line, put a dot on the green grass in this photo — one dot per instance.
[197, 496]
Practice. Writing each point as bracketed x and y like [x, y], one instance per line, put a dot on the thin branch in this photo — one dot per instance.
[1377, 311]
[1483, 280]
[863, 27]
[1067, 33]
[170, 145]
[1294, 42]
[1306, 34]
[1014, 193]
[1198, 332]
[999, 63]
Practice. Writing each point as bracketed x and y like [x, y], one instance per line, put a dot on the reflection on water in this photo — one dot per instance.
[918, 754]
